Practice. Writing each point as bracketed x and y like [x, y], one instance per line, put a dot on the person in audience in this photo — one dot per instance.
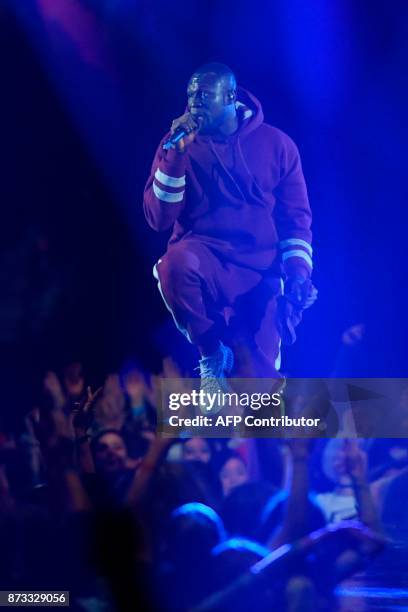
[246, 500]
[140, 414]
[197, 449]
[232, 471]
[230, 560]
[345, 464]
[194, 530]
[114, 470]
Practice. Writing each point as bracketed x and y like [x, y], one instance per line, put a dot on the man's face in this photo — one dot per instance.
[207, 99]
[111, 453]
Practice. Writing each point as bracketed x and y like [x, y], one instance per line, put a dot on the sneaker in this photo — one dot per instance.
[213, 371]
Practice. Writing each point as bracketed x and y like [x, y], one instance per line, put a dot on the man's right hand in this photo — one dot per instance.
[190, 125]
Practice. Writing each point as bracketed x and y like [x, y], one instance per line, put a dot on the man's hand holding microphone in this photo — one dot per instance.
[183, 131]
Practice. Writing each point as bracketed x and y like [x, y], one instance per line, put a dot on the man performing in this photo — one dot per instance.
[233, 192]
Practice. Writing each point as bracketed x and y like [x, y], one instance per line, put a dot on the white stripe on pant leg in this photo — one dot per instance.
[278, 359]
[179, 327]
[297, 253]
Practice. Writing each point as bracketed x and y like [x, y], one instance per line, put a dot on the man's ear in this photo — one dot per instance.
[231, 96]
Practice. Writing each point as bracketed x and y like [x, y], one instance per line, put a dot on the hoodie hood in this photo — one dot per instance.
[249, 110]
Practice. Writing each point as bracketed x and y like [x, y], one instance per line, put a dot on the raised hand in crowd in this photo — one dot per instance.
[353, 334]
[59, 451]
[110, 407]
[147, 470]
[295, 522]
[53, 388]
[135, 387]
[170, 370]
[73, 380]
[83, 413]
[82, 418]
[153, 390]
[355, 463]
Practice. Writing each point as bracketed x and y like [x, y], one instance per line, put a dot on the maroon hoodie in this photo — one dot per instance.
[245, 197]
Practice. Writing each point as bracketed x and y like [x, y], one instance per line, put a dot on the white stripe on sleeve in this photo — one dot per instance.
[297, 253]
[166, 196]
[296, 242]
[170, 181]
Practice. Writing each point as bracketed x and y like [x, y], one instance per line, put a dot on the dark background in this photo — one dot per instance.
[87, 90]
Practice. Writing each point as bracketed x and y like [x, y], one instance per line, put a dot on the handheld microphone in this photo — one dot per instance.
[179, 134]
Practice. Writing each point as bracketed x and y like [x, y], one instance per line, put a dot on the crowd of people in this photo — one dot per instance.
[94, 502]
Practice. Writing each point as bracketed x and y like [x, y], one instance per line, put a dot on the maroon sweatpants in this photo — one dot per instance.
[208, 295]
